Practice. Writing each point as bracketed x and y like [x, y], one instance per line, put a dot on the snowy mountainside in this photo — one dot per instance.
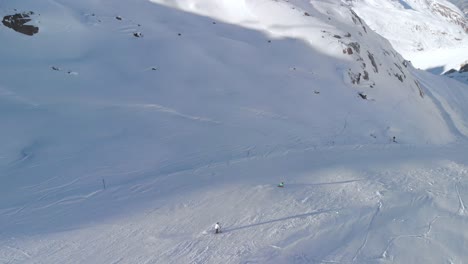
[130, 127]
[432, 34]
[365, 51]
[462, 4]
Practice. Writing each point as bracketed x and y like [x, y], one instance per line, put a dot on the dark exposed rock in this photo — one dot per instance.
[118, 17]
[464, 68]
[399, 76]
[450, 71]
[401, 70]
[355, 78]
[306, 14]
[421, 92]
[365, 76]
[17, 23]
[406, 63]
[355, 46]
[337, 36]
[356, 18]
[138, 34]
[363, 96]
[348, 50]
[371, 58]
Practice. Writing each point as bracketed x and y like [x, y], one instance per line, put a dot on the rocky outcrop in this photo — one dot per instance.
[450, 14]
[18, 21]
[462, 4]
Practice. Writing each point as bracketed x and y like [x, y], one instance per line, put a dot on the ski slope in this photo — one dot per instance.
[130, 128]
[346, 205]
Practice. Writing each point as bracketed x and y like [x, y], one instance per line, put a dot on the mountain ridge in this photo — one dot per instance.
[431, 34]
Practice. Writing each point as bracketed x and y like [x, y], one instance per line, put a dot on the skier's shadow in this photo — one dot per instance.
[281, 219]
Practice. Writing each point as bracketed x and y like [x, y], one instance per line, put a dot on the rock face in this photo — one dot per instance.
[17, 23]
[464, 68]
[462, 4]
[416, 27]
[450, 14]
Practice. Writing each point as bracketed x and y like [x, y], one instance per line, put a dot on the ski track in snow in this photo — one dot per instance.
[174, 112]
[371, 222]
[461, 209]
[424, 236]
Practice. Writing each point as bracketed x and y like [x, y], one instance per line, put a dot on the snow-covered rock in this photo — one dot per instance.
[460, 75]
[462, 4]
[430, 33]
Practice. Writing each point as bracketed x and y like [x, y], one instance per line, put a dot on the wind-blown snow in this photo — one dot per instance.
[123, 148]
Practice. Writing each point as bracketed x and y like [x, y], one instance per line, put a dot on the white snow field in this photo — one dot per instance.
[129, 128]
[429, 33]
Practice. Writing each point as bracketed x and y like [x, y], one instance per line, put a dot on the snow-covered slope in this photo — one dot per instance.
[462, 4]
[130, 127]
[355, 45]
[430, 33]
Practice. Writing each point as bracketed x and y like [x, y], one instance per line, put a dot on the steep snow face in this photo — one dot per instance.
[419, 28]
[364, 61]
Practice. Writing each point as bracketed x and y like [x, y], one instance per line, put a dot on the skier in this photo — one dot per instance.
[217, 228]
[281, 185]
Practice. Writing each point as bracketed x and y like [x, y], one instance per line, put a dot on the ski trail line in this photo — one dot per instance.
[358, 252]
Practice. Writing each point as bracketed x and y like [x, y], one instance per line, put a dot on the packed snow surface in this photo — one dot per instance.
[129, 128]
